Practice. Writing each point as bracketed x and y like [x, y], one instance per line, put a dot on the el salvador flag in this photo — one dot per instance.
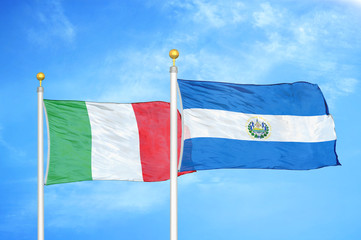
[279, 126]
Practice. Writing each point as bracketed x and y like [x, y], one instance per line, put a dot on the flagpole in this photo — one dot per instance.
[173, 148]
[40, 76]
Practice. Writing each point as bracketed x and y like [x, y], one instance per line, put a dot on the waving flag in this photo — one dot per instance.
[108, 141]
[280, 126]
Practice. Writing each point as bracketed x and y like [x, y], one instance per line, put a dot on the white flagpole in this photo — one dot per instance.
[173, 148]
[40, 76]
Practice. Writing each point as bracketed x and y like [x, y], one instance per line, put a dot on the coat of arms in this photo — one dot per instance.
[258, 128]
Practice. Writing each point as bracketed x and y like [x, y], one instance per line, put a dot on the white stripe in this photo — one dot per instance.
[115, 142]
[233, 125]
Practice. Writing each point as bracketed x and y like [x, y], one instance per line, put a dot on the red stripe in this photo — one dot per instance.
[154, 129]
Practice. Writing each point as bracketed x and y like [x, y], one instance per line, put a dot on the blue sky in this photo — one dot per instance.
[118, 51]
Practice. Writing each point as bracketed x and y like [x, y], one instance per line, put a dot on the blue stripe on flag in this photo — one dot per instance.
[215, 153]
[299, 99]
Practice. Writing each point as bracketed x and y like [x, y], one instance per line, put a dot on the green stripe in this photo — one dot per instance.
[70, 142]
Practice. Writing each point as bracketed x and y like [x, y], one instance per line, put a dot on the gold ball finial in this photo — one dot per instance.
[40, 76]
[174, 55]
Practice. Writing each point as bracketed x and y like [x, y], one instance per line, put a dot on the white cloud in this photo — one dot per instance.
[19, 218]
[13, 150]
[77, 205]
[268, 16]
[218, 15]
[215, 14]
[311, 42]
[304, 41]
[304, 34]
[136, 76]
[338, 88]
[348, 85]
[52, 24]
[228, 186]
[353, 2]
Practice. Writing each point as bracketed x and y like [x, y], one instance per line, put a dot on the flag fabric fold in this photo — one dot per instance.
[279, 126]
[108, 141]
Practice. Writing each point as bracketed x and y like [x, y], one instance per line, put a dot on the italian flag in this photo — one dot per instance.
[108, 141]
